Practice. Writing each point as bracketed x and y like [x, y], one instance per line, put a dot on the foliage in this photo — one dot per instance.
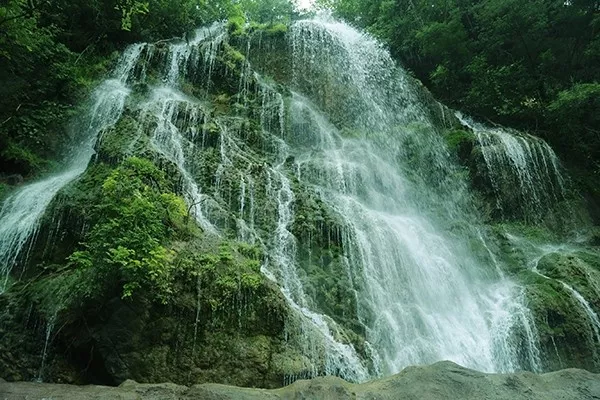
[575, 114]
[52, 52]
[36, 73]
[136, 219]
[224, 273]
[268, 11]
[277, 29]
[457, 137]
[111, 22]
[526, 64]
[129, 9]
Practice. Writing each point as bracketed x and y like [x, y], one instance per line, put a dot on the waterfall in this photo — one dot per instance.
[351, 128]
[426, 301]
[523, 170]
[536, 253]
[591, 315]
[164, 109]
[425, 297]
[22, 211]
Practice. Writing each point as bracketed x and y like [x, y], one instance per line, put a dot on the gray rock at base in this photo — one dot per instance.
[441, 381]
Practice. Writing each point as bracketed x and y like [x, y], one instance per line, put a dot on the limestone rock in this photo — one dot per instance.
[444, 380]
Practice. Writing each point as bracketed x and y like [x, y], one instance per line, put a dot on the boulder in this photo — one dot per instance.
[444, 380]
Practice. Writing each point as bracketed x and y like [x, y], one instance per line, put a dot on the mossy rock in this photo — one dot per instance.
[461, 143]
[223, 324]
[122, 140]
[580, 269]
[224, 332]
[566, 331]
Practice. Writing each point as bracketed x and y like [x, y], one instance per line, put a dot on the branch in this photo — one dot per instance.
[189, 211]
[9, 118]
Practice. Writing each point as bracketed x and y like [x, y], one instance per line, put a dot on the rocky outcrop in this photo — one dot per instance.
[563, 296]
[202, 307]
[444, 380]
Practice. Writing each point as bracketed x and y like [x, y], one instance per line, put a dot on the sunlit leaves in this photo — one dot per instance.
[135, 220]
[128, 9]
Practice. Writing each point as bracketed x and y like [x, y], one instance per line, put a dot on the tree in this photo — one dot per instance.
[268, 11]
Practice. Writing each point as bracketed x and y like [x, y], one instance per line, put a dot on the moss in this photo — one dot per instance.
[222, 271]
[231, 58]
[222, 104]
[235, 25]
[564, 328]
[59, 293]
[561, 325]
[533, 233]
[116, 142]
[321, 257]
[223, 323]
[581, 270]
[590, 257]
[276, 29]
[461, 143]
[458, 137]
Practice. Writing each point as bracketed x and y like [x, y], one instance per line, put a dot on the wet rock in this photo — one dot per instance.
[444, 380]
[565, 301]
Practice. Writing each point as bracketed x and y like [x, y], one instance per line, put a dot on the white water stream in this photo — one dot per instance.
[524, 163]
[22, 211]
[355, 131]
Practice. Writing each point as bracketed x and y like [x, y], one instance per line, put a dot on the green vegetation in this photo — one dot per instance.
[532, 65]
[461, 142]
[137, 214]
[132, 286]
[138, 269]
[52, 52]
[224, 274]
[458, 137]
[135, 219]
[268, 11]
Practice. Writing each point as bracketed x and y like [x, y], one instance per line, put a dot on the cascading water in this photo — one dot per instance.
[172, 118]
[163, 110]
[354, 131]
[422, 300]
[22, 211]
[523, 162]
[536, 253]
[593, 319]
[424, 297]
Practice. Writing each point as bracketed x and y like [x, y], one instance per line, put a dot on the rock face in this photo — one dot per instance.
[563, 299]
[288, 167]
[444, 380]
